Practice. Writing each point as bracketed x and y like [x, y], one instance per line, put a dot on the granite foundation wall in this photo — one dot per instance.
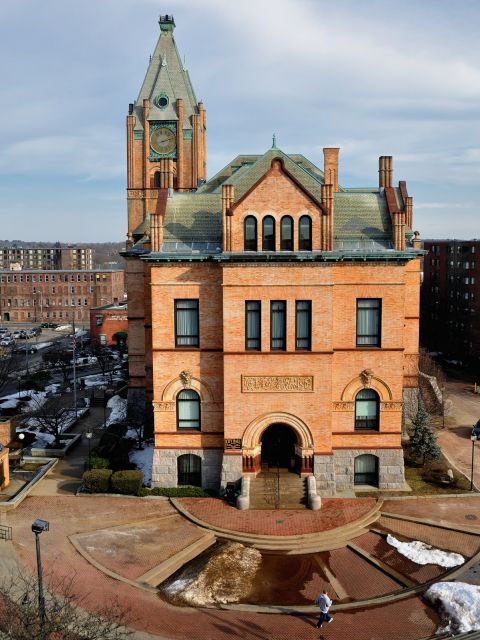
[324, 472]
[231, 469]
[165, 470]
[391, 474]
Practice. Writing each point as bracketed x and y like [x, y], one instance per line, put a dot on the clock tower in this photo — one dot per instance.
[166, 131]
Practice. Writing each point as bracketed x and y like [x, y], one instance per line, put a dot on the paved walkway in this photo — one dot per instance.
[455, 438]
[407, 620]
[66, 476]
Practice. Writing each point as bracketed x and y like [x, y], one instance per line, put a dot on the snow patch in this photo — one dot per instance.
[460, 604]
[118, 408]
[422, 553]
[143, 459]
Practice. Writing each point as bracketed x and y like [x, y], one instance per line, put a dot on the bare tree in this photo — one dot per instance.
[136, 421]
[104, 359]
[7, 362]
[48, 417]
[65, 616]
[61, 360]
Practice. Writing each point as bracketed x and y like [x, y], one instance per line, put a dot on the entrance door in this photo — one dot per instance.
[278, 446]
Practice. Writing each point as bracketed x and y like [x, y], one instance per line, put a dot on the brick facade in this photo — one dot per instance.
[108, 320]
[450, 299]
[49, 295]
[193, 247]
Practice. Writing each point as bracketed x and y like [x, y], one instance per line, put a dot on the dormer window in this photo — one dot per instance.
[268, 234]
[250, 234]
[305, 233]
[286, 234]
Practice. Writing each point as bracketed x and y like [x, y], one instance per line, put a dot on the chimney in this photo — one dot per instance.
[330, 166]
[227, 201]
[385, 171]
[327, 217]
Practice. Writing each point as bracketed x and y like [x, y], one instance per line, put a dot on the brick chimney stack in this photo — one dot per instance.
[227, 202]
[385, 171]
[330, 166]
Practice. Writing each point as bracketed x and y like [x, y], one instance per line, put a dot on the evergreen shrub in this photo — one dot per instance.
[97, 480]
[127, 482]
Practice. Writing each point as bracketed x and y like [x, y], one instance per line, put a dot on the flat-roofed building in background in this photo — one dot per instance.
[26, 256]
[450, 300]
[273, 312]
[109, 324]
[48, 295]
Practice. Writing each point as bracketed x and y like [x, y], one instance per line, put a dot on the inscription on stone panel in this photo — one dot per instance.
[136, 193]
[163, 406]
[391, 406]
[343, 406]
[232, 444]
[277, 384]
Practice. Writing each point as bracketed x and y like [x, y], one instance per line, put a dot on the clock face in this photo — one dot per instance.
[163, 140]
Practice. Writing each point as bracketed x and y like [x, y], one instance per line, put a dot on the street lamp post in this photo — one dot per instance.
[89, 436]
[473, 438]
[38, 527]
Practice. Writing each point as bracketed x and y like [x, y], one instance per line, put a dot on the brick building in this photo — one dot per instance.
[273, 313]
[450, 295]
[108, 320]
[48, 295]
[57, 257]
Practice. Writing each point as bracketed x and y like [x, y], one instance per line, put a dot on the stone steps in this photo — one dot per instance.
[296, 544]
[285, 491]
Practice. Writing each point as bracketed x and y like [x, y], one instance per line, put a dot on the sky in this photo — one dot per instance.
[373, 77]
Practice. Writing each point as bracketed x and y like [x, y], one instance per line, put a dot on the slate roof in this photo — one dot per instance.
[166, 74]
[193, 221]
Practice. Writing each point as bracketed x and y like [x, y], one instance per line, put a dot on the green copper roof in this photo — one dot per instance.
[193, 221]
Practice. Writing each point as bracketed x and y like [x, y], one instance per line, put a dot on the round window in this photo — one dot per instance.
[162, 101]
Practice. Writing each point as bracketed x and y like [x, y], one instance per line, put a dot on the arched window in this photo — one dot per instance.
[268, 235]
[366, 409]
[188, 409]
[189, 470]
[366, 470]
[305, 233]
[250, 234]
[156, 180]
[286, 234]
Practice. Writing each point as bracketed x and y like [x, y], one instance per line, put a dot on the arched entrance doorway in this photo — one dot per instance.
[278, 447]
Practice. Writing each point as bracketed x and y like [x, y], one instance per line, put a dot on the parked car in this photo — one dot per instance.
[25, 348]
[476, 429]
[7, 342]
[49, 325]
[35, 331]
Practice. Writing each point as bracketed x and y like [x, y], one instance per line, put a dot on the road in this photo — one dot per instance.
[455, 438]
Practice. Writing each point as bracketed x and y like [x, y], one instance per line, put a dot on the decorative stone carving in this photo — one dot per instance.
[366, 377]
[163, 406]
[391, 406]
[343, 406]
[232, 444]
[186, 378]
[136, 193]
[277, 384]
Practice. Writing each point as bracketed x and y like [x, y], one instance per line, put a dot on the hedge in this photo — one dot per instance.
[127, 482]
[97, 480]
[95, 462]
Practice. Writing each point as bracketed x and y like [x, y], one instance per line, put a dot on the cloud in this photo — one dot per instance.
[373, 78]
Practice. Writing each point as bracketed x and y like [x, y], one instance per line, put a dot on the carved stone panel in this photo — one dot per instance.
[232, 444]
[277, 384]
[163, 406]
[343, 406]
[135, 193]
[391, 406]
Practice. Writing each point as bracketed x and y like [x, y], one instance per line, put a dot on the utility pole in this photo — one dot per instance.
[74, 344]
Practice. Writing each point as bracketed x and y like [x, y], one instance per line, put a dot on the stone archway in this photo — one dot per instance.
[252, 441]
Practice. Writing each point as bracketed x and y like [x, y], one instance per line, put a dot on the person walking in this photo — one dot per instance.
[324, 604]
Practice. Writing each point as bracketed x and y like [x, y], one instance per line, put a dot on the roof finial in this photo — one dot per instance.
[274, 141]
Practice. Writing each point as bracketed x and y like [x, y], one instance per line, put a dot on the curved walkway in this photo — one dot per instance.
[409, 619]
